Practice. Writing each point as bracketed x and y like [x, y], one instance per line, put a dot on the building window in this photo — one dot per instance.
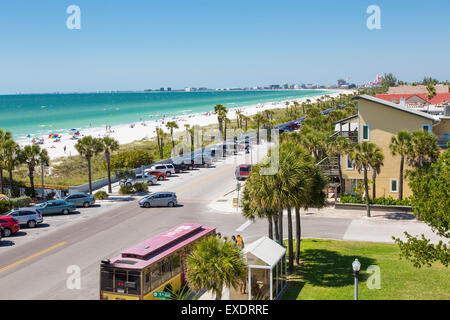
[426, 127]
[394, 185]
[365, 132]
[349, 162]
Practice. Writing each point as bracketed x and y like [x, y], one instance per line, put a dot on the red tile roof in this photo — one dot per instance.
[438, 99]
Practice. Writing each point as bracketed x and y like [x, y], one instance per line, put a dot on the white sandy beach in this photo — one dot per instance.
[146, 130]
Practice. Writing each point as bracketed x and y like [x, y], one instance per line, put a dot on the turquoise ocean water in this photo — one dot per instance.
[41, 114]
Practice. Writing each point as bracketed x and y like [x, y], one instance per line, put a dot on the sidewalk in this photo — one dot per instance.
[225, 204]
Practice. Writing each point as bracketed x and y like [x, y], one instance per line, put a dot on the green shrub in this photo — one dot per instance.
[51, 196]
[20, 202]
[126, 190]
[389, 201]
[101, 195]
[131, 159]
[4, 206]
[140, 187]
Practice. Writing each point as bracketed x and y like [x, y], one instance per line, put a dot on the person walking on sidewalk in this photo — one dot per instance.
[240, 242]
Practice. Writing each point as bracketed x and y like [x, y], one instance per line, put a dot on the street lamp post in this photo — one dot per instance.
[356, 265]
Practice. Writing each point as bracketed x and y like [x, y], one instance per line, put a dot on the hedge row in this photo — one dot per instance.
[389, 201]
[137, 187]
[7, 205]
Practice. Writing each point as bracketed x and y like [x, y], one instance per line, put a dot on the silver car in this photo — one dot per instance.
[149, 179]
[29, 217]
[159, 199]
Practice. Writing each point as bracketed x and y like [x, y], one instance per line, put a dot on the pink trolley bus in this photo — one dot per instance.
[156, 265]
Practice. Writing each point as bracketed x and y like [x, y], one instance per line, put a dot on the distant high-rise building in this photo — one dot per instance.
[341, 82]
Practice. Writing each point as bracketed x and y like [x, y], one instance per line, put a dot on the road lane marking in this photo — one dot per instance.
[15, 264]
[205, 180]
[244, 226]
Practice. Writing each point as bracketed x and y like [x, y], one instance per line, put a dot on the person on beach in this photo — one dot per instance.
[234, 239]
[64, 149]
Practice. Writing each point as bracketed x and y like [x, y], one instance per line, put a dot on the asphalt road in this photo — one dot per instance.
[35, 263]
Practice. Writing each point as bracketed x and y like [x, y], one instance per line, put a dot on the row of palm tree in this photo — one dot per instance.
[417, 149]
[12, 155]
[88, 147]
[297, 184]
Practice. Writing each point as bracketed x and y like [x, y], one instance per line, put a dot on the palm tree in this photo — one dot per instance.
[259, 118]
[88, 147]
[431, 91]
[376, 162]
[215, 264]
[221, 112]
[424, 149]
[252, 212]
[190, 134]
[246, 119]
[172, 125]
[32, 156]
[238, 119]
[159, 137]
[401, 144]
[226, 122]
[109, 146]
[11, 153]
[4, 136]
[362, 156]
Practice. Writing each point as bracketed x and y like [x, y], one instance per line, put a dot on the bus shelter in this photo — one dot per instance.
[267, 269]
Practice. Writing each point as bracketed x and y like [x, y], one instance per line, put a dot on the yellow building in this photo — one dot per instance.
[377, 121]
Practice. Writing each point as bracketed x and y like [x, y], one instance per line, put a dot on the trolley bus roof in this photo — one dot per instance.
[160, 246]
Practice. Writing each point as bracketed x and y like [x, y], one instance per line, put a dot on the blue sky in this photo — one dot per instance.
[139, 44]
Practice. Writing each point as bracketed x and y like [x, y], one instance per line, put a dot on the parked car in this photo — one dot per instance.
[80, 199]
[10, 226]
[180, 167]
[29, 217]
[243, 171]
[56, 206]
[159, 199]
[167, 169]
[1, 233]
[157, 174]
[149, 179]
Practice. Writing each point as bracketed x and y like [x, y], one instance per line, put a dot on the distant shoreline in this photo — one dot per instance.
[159, 91]
[145, 130]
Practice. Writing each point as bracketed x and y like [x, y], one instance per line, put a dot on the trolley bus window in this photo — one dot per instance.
[134, 282]
[176, 264]
[156, 275]
[166, 269]
[106, 279]
[120, 281]
[147, 281]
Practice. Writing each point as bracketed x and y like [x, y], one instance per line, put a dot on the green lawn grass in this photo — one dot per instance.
[326, 273]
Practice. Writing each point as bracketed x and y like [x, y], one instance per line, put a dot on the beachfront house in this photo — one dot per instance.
[377, 121]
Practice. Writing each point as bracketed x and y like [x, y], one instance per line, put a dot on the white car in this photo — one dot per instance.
[167, 169]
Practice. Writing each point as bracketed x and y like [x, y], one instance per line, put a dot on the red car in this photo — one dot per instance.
[243, 171]
[158, 175]
[10, 225]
